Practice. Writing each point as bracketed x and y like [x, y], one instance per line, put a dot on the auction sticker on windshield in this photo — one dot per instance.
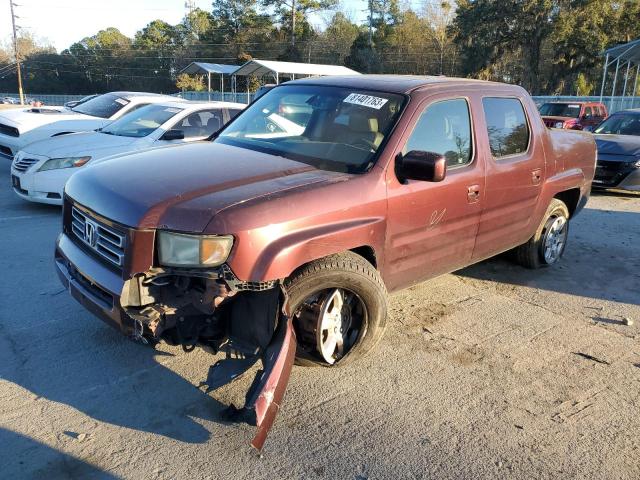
[366, 100]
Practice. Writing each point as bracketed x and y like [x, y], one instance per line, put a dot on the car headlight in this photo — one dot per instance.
[559, 125]
[65, 162]
[637, 164]
[184, 250]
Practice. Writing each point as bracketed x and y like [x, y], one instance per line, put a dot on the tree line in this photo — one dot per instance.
[547, 46]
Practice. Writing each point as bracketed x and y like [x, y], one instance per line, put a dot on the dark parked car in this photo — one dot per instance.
[573, 115]
[618, 141]
[269, 245]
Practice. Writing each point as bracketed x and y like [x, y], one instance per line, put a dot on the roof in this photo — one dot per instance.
[626, 51]
[203, 67]
[136, 94]
[263, 67]
[391, 83]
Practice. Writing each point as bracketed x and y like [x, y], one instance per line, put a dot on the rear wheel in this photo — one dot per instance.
[339, 306]
[546, 247]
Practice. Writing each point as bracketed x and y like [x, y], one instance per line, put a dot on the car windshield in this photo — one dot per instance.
[103, 106]
[621, 124]
[142, 121]
[560, 110]
[331, 128]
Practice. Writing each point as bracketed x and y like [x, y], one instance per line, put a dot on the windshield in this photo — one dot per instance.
[560, 110]
[331, 128]
[103, 106]
[621, 124]
[142, 121]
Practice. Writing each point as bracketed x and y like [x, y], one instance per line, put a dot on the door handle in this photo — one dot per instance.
[536, 176]
[473, 193]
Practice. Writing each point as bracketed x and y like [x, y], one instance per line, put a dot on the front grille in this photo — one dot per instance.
[610, 174]
[10, 131]
[24, 164]
[105, 241]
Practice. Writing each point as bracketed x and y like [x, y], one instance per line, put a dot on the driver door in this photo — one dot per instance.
[432, 226]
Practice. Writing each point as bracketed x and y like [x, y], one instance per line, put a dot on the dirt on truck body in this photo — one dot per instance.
[280, 238]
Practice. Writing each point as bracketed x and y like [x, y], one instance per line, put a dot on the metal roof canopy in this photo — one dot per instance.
[260, 68]
[208, 69]
[625, 57]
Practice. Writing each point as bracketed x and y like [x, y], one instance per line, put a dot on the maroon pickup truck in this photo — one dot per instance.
[281, 237]
[573, 115]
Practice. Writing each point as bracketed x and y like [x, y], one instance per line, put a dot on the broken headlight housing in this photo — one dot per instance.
[184, 250]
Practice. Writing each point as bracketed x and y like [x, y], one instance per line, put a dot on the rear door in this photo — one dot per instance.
[515, 173]
[432, 226]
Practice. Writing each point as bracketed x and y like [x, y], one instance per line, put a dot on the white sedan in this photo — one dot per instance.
[40, 171]
[22, 126]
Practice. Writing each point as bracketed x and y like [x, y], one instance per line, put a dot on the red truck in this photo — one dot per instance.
[573, 115]
[281, 237]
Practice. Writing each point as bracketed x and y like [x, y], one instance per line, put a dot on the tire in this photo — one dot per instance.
[311, 286]
[532, 254]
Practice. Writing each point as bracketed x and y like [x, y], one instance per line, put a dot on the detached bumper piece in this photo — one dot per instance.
[270, 340]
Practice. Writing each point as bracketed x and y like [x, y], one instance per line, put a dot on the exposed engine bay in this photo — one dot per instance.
[246, 321]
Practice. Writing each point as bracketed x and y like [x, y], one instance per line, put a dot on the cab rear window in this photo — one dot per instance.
[506, 125]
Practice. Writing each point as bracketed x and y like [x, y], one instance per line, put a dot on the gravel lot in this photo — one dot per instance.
[492, 372]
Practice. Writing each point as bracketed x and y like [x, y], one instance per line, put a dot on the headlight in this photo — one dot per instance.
[182, 250]
[559, 125]
[637, 164]
[66, 162]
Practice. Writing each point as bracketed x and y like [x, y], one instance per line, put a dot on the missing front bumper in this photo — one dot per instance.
[249, 323]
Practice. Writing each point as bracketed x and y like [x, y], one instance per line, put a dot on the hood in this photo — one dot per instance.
[25, 119]
[625, 147]
[95, 144]
[182, 187]
[558, 119]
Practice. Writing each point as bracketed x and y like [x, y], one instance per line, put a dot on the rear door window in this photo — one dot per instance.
[444, 128]
[506, 126]
[201, 124]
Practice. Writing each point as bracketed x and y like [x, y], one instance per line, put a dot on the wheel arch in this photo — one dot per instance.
[571, 199]
[288, 254]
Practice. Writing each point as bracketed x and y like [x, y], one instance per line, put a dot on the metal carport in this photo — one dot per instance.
[208, 69]
[291, 70]
[626, 57]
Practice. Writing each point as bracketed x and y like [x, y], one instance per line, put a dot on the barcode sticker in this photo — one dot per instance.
[366, 100]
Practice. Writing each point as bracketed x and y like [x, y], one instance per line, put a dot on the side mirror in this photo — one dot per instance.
[419, 165]
[173, 135]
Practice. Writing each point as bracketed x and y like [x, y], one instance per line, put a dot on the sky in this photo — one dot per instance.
[63, 22]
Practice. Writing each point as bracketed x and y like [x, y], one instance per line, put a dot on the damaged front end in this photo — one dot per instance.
[246, 321]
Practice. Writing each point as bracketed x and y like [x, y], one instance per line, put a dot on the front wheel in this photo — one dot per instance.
[339, 307]
[546, 247]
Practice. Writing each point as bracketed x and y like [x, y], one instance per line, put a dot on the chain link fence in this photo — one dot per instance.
[614, 104]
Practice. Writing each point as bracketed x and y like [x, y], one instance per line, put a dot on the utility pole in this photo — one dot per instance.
[15, 51]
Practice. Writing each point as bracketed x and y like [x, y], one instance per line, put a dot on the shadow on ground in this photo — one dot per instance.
[601, 261]
[51, 463]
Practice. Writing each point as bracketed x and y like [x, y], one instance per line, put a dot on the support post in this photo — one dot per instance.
[604, 76]
[635, 88]
[613, 89]
[222, 85]
[209, 86]
[624, 89]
